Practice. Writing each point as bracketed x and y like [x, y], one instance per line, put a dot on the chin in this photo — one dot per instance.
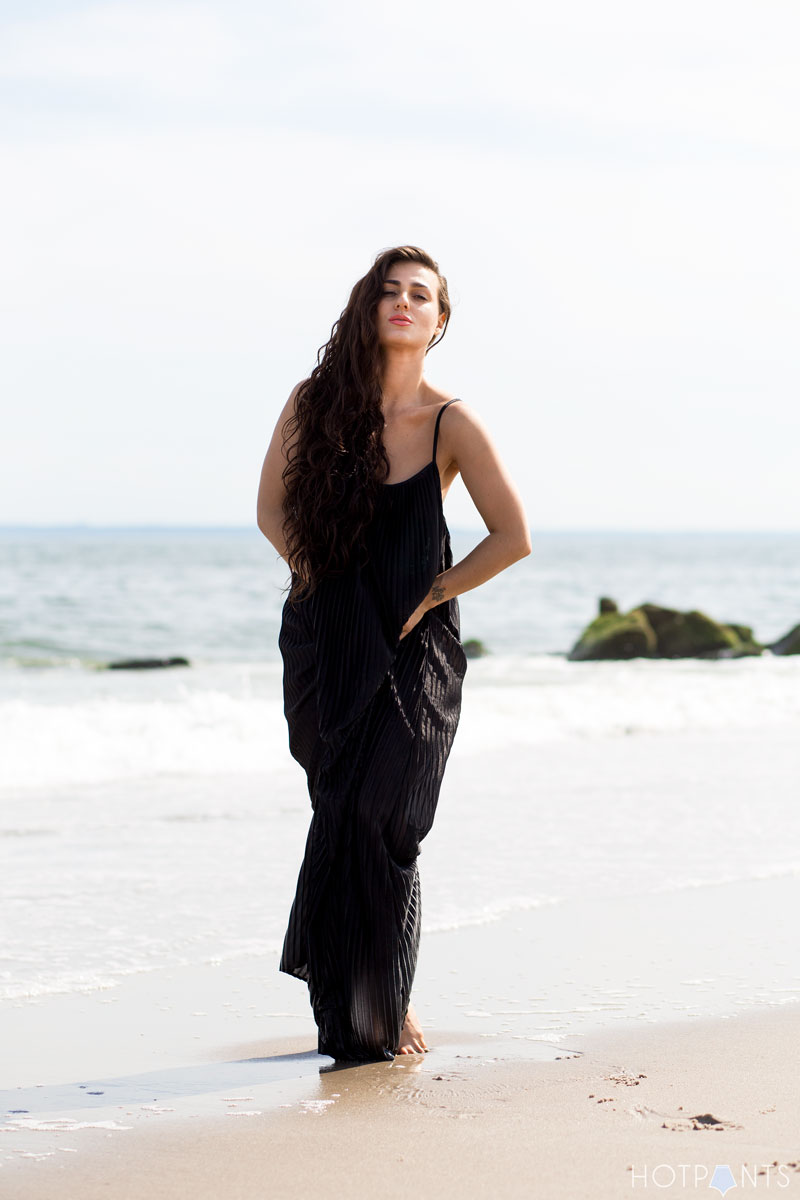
[404, 335]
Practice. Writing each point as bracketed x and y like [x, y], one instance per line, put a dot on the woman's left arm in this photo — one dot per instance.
[473, 454]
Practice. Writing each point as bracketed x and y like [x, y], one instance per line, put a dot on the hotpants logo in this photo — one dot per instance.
[722, 1179]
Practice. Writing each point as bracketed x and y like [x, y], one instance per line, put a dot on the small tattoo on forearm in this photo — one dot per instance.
[437, 593]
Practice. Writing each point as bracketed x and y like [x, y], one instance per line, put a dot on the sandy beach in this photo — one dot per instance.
[130, 1092]
[608, 1042]
[661, 1109]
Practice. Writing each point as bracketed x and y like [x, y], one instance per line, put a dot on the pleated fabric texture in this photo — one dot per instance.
[371, 720]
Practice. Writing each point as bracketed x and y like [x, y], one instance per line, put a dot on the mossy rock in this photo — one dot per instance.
[657, 616]
[615, 635]
[696, 635]
[474, 648]
[146, 664]
[747, 643]
[691, 634]
[788, 644]
[653, 631]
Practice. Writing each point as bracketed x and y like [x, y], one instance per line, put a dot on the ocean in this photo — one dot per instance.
[156, 818]
[80, 596]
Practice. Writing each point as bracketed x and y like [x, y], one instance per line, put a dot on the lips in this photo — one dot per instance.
[400, 320]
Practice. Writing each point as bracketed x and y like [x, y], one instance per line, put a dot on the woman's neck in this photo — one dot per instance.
[402, 379]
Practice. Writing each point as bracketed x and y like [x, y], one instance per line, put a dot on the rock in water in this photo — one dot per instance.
[747, 643]
[657, 616]
[475, 648]
[788, 644]
[615, 635]
[652, 631]
[146, 664]
[693, 634]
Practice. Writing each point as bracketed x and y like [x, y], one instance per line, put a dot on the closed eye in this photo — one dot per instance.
[417, 295]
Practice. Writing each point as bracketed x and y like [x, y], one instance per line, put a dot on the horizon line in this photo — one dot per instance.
[85, 526]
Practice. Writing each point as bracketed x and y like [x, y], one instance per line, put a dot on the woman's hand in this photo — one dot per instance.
[414, 619]
[435, 596]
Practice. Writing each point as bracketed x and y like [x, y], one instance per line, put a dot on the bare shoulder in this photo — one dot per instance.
[470, 452]
[290, 406]
[464, 430]
[271, 486]
[287, 412]
[463, 413]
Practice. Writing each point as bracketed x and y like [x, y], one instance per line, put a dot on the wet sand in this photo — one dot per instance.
[568, 1058]
[593, 1047]
[615, 1111]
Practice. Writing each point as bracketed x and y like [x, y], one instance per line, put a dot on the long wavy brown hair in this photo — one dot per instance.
[337, 463]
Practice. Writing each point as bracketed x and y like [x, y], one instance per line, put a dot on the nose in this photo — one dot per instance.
[402, 298]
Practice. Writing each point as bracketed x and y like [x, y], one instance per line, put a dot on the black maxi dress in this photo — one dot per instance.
[371, 720]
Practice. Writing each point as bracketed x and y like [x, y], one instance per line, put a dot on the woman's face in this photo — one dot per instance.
[408, 311]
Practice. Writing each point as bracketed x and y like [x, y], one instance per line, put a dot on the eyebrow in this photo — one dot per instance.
[415, 283]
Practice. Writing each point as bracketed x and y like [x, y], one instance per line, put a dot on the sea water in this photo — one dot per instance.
[156, 818]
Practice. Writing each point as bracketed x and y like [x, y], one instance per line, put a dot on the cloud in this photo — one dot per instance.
[624, 77]
[202, 185]
[171, 51]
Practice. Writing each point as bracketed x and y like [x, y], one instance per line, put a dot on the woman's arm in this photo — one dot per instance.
[269, 506]
[472, 452]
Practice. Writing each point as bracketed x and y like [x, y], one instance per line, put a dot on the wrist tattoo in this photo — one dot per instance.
[437, 593]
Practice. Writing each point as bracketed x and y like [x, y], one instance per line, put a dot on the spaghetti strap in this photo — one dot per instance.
[455, 400]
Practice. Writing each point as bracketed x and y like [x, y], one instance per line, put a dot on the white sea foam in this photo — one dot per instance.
[110, 738]
[463, 917]
[158, 819]
[55, 1125]
[513, 702]
[229, 721]
[155, 819]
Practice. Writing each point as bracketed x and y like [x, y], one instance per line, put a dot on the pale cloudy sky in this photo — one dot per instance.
[191, 189]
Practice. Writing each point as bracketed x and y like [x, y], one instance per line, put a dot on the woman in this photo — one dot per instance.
[351, 496]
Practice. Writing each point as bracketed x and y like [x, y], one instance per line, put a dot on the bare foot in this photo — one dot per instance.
[412, 1039]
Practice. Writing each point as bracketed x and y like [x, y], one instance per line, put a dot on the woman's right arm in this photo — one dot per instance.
[269, 507]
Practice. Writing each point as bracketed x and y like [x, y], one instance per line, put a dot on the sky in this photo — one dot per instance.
[191, 190]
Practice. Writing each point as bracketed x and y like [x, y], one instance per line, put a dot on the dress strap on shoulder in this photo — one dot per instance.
[455, 400]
